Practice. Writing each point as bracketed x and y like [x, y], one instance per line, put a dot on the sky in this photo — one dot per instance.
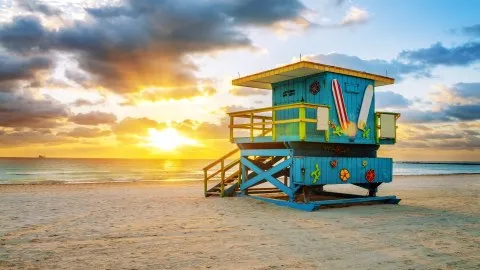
[117, 79]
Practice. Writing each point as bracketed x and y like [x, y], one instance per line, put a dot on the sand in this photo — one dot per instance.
[171, 226]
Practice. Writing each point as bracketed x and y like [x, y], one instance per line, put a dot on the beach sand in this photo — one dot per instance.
[171, 226]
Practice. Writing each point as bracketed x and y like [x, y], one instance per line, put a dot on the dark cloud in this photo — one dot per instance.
[463, 112]
[467, 91]
[146, 43]
[248, 91]
[390, 68]
[473, 30]
[37, 6]
[84, 132]
[447, 113]
[14, 68]
[25, 34]
[437, 54]
[388, 99]
[265, 12]
[93, 118]
[418, 116]
[22, 109]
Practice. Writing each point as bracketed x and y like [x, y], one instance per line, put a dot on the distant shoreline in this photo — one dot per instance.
[211, 159]
[184, 182]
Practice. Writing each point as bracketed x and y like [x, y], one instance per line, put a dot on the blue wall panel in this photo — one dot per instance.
[329, 175]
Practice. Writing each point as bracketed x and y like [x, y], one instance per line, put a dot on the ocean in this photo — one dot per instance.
[64, 170]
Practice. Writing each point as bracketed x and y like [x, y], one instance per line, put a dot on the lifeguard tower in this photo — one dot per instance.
[321, 130]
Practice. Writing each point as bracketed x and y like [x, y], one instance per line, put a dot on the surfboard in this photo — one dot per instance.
[366, 103]
[340, 104]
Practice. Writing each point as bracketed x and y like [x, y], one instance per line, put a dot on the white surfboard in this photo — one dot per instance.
[366, 103]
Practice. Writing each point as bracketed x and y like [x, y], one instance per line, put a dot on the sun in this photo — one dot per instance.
[168, 139]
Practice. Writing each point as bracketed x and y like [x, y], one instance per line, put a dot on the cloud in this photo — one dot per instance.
[392, 68]
[84, 132]
[447, 113]
[37, 6]
[473, 30]
[14, 68]
[29, 137]
[437, 54]
[85, 102]
[460, 93]
[23, 109]
[247, 91]
[450, 136]
[93, 118]
[388, 99]
[355, 15]
[25, 34]
[147, 44]
[417, 116]
[136, 126]
[266, 12]
[463, 112]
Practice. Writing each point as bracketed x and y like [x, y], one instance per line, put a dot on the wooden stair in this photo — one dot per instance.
[229, 175]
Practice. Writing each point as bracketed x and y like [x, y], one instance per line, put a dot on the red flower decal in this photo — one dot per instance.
[370, 175]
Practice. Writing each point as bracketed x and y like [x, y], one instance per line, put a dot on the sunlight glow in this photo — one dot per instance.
[168, 139]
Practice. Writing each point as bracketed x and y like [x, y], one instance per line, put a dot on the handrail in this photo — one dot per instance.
[252, 125]
[227, 155]
[221, 171]
[277, 108]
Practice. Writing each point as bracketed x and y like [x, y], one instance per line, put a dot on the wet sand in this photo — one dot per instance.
[171, 226]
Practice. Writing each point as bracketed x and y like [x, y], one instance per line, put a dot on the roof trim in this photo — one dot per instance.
[264, 79]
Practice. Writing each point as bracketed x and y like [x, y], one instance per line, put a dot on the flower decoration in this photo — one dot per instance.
[333, 163]
[314, 87]
[344, 175]
[364, 163]
[370, 175]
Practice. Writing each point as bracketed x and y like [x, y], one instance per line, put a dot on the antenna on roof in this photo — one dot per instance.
[300, 57]
[386, 73]
[238, 74]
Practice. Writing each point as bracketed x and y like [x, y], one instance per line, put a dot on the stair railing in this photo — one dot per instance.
[223, 168]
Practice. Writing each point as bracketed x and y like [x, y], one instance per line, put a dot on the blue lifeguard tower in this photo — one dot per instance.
[321, 130]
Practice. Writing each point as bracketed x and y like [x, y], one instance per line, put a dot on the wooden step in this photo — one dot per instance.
[211, 193]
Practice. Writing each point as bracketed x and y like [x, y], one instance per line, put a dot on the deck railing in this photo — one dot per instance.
[268, 123]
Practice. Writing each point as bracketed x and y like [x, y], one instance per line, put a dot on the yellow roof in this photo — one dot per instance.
[265, 79]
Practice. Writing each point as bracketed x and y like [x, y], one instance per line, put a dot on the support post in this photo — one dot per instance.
[231, 128]
[302, 129]
[239, 174]
[222, 183]
[244, 177]
[205, 182]
[251, 127]
[263, 125]
[274, 125]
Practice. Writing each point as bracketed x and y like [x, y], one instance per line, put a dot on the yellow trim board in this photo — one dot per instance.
[264, 80]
